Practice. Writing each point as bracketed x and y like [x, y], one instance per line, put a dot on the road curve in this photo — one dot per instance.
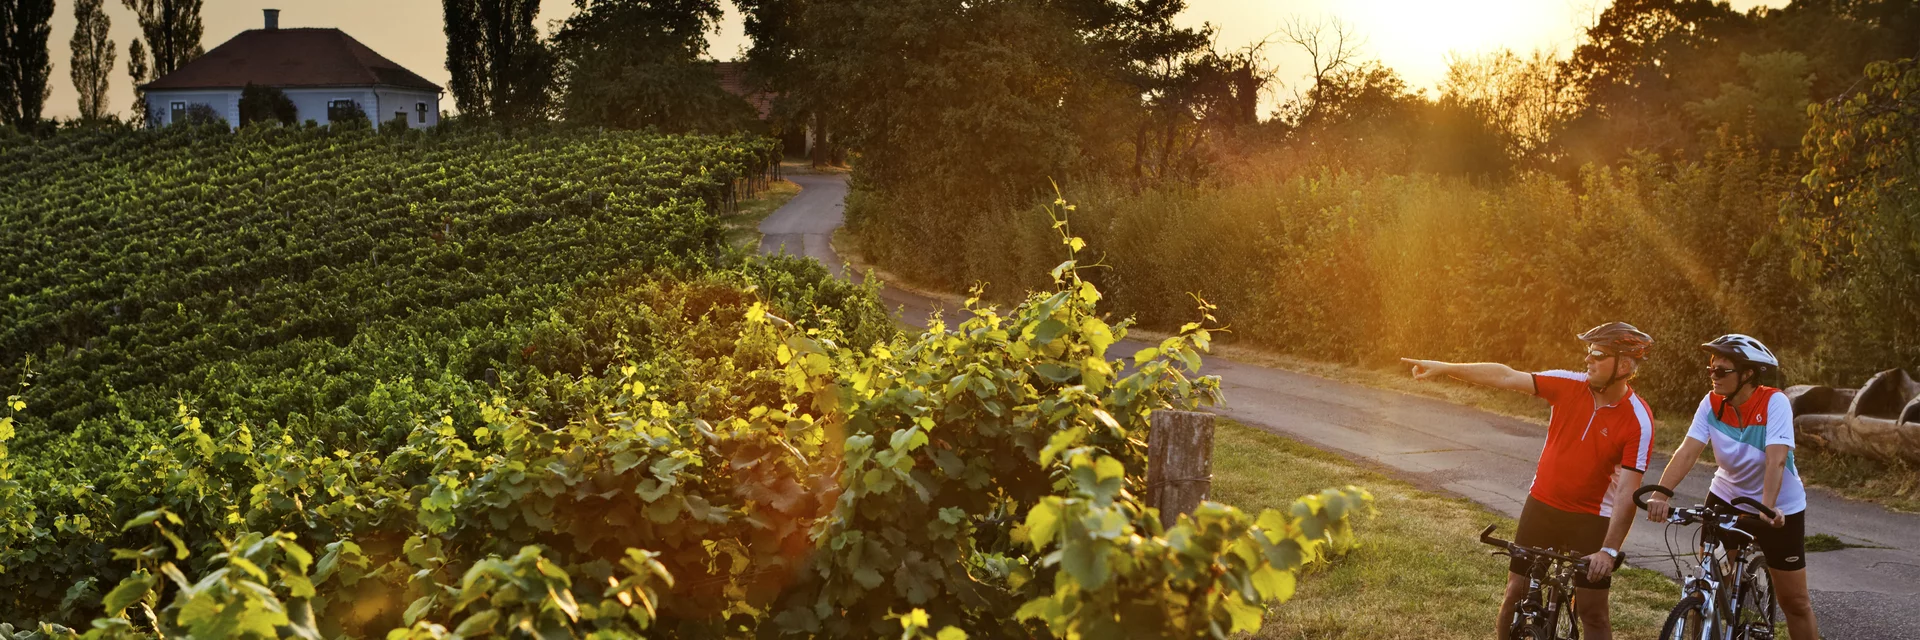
[1866, 593]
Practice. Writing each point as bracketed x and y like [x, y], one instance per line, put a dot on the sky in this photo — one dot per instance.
[1414, 37]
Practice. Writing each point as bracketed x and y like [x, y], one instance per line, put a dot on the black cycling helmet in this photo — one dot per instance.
[1743, 350]
[1620, 338]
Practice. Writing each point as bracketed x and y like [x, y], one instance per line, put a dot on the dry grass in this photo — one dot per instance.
[1892, 485]
[1420, 572]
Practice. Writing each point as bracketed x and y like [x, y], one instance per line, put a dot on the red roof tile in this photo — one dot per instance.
[291, 58]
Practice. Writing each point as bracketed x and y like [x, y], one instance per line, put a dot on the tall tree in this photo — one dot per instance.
[172, 29]
[1641, 61]
[785, 61]
[466, 59]
[500, 67]
[24, 60]
[92, 57]
[138, 69]
[9, 102]
[959, 108]
[637, 63]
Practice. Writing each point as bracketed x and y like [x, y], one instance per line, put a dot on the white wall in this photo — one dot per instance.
[395, 100]
[224, 102]
[309, 104]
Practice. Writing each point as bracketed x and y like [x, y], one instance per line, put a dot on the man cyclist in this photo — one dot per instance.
[1750, 427]
[1598, 442]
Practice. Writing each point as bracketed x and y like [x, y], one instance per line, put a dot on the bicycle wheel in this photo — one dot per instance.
[1759, 612]
[1687, 622]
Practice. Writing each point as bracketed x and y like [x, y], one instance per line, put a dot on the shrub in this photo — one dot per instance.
[267, 105]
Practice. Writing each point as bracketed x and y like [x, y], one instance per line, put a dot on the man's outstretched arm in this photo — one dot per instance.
[1490, 374]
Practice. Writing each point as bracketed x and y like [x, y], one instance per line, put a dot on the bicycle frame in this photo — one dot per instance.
[1550, 578]
[1717, 578]
[1550, 598]
[1710, 583]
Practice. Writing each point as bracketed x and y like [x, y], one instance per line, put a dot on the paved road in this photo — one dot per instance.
[804, 227]
[1859, 594]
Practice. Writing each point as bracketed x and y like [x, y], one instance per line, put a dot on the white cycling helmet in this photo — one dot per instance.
[1743, 350]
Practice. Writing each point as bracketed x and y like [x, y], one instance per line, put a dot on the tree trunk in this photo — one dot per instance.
[1179, 462]
[820, 156]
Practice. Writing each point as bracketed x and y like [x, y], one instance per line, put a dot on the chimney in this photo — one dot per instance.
[273, 19]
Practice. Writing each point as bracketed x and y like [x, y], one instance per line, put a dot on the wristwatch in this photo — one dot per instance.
[1618, 555]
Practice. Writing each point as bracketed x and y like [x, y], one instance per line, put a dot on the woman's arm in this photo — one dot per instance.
[1677, 467]
[1779, 445]
[1776, 471]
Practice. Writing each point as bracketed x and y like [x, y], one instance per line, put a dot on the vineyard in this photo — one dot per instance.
[261, 266]
[299, 383]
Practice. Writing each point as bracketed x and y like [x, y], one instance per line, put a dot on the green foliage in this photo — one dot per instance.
[347, 116]
[25, 61]
[637, 64]
[266, 105]
[201, 116]
[1857, 230]
[396, 125]
[500, 68]
[956, 108]
[300, 287]
[171, 30]
[528, 594]
[1772, 104]
[783, 475]
[1213, 573]
[92, 63]
[1650, 73]
[1361, 268]
[261, 589]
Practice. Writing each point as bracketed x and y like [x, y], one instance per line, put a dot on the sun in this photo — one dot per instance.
[1416, 38]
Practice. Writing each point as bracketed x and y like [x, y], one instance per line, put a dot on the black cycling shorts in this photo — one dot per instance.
[1573, 534]
[1785, 547]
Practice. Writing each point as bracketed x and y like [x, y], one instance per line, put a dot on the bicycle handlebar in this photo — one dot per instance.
[1769, 513]
[1486, 537]
[1640, 499]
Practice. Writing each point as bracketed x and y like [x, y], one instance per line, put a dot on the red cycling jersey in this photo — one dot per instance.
[1588, 447]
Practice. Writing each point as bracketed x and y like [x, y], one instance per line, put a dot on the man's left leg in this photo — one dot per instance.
[1595, 621]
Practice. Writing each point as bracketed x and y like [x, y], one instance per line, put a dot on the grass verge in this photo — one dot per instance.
[1420, 572]
[743, 227]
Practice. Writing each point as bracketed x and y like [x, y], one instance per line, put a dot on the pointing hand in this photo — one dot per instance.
[1424, 369]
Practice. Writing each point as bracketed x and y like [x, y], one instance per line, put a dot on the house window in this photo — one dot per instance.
[179, 112]
[401, 116]
[420, 108]
[338, 110]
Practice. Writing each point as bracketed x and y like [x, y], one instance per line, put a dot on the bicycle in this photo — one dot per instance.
[1546, 613]
[1719, 602]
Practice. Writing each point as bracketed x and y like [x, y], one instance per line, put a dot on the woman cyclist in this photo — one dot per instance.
[1751, 429]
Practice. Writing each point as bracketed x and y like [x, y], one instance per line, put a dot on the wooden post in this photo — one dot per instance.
[1179, 462]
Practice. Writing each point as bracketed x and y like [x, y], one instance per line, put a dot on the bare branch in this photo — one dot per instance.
[1331, 46]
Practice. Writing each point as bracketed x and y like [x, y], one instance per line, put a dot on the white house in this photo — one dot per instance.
[320, 70]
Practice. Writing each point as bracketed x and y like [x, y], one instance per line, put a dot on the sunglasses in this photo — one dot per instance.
[1597, 355]
[1719, 372]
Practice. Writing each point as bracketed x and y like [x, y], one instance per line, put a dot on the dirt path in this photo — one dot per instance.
[1859, 593]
